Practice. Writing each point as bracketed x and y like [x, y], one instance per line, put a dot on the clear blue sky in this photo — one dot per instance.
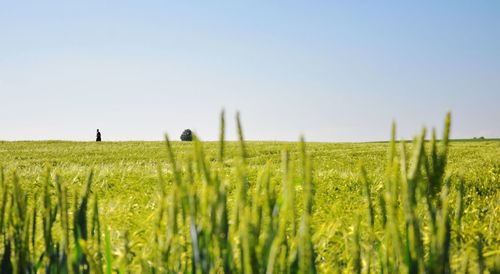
[332, 70]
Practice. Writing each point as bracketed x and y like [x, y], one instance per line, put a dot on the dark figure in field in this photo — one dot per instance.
[98, 138]
[187, 135]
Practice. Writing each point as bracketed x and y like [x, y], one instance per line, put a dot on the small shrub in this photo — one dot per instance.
[187, 135]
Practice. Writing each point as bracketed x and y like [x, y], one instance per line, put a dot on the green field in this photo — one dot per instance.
[126, 182]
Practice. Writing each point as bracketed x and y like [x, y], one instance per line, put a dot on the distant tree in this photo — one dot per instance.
[187, 135]
[481, 138]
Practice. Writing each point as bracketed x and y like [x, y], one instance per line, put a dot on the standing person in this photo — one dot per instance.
[98, 138]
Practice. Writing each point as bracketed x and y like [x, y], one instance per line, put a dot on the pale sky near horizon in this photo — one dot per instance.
[331, 70]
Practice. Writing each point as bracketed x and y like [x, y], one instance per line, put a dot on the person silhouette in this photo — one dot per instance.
[98, 138]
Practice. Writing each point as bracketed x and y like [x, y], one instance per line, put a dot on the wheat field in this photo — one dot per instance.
[420, 206]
